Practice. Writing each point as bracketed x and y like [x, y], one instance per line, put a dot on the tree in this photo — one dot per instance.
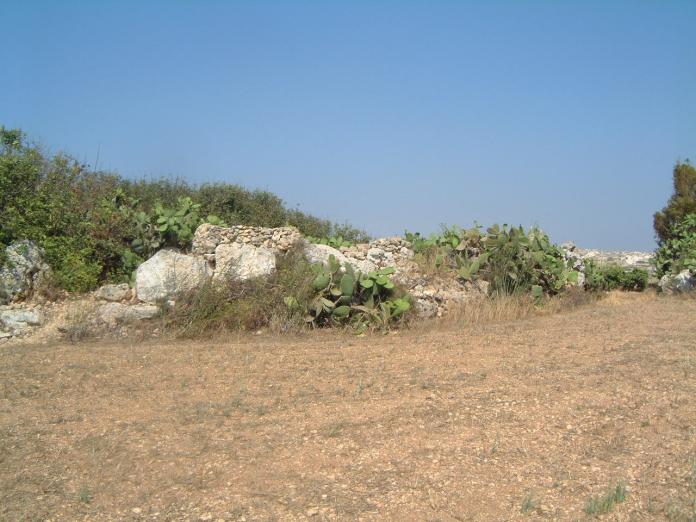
[682, 202]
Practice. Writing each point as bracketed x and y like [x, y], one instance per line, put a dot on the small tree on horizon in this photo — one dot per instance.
[681, 203]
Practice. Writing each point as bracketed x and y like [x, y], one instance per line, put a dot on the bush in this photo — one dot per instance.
[680, 204]
[511, 259]
[363, 301]
[298, 295]
[678, 252]
[97, 227]
[613, 277]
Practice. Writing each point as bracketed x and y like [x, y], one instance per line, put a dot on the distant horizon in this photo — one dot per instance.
[387, 116]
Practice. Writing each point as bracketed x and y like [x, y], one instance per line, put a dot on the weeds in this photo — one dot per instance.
[528, 503]
[501, 308]
[605, 503]
[249, 305]
[77, 325]
[85, 495]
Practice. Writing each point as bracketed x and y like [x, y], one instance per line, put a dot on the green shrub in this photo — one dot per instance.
[678, 252]
[296, 296]
[97, 227]
[614, 277]
[356, 299]
[511, 259]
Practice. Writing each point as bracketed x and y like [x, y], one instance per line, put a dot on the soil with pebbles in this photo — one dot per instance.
[520, 420]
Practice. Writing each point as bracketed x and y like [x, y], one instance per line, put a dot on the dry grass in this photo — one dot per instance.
[525, 419]
[504, 308]
[77, 325]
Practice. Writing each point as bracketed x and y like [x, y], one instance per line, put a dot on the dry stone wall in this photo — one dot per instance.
[222, 248]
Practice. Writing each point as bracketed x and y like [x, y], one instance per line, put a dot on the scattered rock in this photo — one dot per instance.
[168, 274]
[24, 270]
[114, 293]
[683, 282]
[243, 261]
[17, 321]
[119, 313]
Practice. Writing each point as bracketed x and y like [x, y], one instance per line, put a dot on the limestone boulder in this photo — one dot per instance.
[18, 321]
[681, 283]
[322, 253]
[169, 274]
[23, 270]
[243, 261]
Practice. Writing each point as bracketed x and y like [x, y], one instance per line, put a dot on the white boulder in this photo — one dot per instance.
[169, 274]
[24, 269]
[683, 282]
[243, 261]
[19, 320]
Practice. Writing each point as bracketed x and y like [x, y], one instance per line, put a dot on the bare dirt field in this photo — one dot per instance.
[521, 420]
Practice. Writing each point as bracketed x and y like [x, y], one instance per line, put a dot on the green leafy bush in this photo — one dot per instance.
[614, 277]
[678, 251]
[511, 259]
[97, 227]
[297, 295]
[353, 298]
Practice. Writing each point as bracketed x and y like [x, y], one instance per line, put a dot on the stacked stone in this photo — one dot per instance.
[208, 237]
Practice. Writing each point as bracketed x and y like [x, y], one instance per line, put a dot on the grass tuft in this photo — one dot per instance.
[604, 504]
[528, 503]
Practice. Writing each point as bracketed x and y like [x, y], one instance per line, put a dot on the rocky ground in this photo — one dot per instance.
[520, 420]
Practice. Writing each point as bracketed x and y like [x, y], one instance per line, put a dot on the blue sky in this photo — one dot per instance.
[388, 115]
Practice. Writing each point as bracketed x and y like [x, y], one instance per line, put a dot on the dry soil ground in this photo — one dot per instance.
[521, 420]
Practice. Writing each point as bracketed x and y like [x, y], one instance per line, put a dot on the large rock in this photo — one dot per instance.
[23, 270]
[116, 313]
[243, 261]
[322, 253]
[169, 274]
[683, 282]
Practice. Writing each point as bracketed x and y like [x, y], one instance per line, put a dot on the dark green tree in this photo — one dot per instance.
[682, 202]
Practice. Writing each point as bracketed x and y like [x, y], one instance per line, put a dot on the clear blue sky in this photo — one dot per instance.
[389, 115]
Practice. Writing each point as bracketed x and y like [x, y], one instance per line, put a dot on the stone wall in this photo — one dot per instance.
[208, 237]
[241, 250]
